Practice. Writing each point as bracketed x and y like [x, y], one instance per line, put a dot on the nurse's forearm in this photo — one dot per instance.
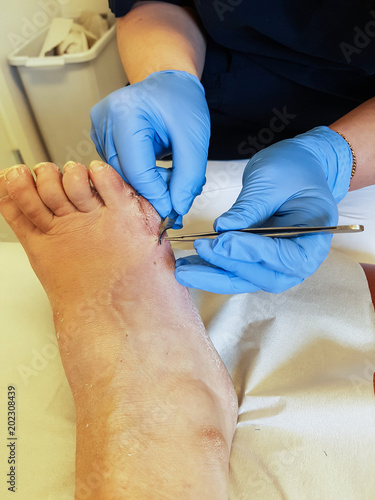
[358, 127]
[157, 36]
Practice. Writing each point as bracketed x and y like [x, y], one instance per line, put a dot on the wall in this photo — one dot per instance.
[19, 23]
[72, 8]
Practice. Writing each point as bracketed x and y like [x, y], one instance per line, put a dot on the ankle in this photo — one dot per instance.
[147, 433]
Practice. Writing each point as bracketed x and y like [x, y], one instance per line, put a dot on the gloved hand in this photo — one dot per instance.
[296, 182]
[132, 127]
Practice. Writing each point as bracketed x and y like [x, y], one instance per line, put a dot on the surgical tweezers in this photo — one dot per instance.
[279, 232]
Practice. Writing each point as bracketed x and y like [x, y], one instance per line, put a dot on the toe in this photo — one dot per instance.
[26, 200]
[50, 189]
[3, 189]
[8, 209]
[108, 183]
[118, 195]
[77, 187]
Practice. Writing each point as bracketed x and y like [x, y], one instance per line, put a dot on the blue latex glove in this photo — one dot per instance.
[296, 182]
[132, 127]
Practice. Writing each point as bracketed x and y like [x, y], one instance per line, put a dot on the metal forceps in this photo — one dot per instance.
[279, 232]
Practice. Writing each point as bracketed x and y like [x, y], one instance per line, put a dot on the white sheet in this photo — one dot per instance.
[302, 363]
[306, 389]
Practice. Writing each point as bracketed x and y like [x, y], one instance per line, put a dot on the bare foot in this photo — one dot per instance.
[155, 406]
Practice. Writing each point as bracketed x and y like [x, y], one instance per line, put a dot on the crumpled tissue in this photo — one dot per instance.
[68, 36]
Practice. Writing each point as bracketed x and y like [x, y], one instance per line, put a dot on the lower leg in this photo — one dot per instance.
[158, 403]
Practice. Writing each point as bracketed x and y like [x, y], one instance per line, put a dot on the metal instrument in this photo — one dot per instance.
[273, 232]
[167, 223]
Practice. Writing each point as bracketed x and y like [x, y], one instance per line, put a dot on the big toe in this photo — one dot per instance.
[118, 195]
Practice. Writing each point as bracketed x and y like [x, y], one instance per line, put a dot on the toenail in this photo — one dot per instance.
[12, 174]
[96, 166]
[45, 164]
[69, 165]
[39, 165]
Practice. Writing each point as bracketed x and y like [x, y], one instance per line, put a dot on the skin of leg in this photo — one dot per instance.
[155, 406]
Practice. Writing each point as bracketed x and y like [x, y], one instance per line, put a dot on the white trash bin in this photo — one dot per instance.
[63, 89]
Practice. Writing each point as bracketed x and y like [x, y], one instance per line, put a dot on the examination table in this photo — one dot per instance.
[302, 363]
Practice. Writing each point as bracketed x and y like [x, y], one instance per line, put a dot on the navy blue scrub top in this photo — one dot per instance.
[277, 68]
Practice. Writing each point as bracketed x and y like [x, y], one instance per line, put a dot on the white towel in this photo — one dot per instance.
[302, 363]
